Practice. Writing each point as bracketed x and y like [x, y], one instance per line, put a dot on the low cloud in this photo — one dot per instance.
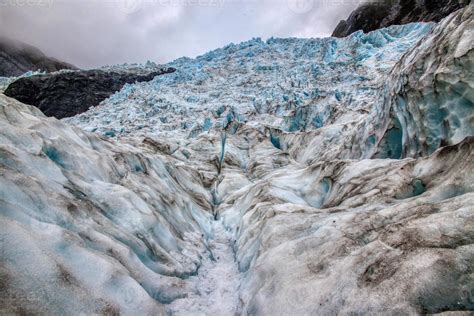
[91, 33]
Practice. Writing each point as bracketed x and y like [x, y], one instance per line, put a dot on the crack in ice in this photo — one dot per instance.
[217, 282]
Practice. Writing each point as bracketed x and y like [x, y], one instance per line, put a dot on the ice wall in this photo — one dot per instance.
[91, 226]
[431, 88]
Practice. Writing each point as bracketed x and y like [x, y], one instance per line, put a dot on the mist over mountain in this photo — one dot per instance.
[16, 58]
[94, 33]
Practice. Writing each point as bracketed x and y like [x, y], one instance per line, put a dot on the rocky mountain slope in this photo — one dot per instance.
[16, 58]
[286, 177]
[374, 15]
[67, 93]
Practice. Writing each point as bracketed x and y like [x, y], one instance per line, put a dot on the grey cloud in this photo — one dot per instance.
[92, 33]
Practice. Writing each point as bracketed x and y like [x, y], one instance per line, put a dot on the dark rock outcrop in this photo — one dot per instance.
[16, 58]
[383, 13]
[65, 94]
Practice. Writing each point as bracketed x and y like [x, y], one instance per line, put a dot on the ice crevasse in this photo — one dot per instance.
[278, 177]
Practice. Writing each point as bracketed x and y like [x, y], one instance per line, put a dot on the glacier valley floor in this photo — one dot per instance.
[280, 177]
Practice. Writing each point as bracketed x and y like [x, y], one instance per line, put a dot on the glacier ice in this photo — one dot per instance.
[432, 94]
[287, 83]
[95, 216]
[278, 177]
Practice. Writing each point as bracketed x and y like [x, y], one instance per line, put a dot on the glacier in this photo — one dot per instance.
[278, 177]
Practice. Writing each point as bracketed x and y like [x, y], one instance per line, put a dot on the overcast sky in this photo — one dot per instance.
[90, 33]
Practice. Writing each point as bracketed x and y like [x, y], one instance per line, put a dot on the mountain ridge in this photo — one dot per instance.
[383, 13]
[17, 58]
[68, 93]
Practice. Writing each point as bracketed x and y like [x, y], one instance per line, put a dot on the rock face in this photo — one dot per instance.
[287, 177]
[16, 58]
[379, 14]
[68, 93]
